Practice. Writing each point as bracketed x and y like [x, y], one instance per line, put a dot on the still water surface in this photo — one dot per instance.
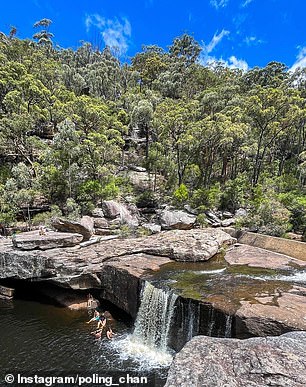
[40, 337]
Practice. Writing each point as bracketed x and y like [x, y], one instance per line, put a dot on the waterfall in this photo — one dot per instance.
[148, 344]
[228, 326]
[154, 317]
[193, 314]
[211, 321]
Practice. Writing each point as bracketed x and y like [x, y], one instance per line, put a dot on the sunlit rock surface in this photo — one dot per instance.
[261, 361]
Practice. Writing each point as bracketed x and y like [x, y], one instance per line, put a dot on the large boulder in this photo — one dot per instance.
[257, 257]
[85, 226]
[32, 240]
[256, 362]
[120, 212]
[101, 223]
[190, 245]
[176, 220]
[272, 314]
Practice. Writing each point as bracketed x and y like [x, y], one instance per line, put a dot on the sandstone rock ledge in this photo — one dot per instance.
[257, 257]
[32, 240]
[77, 267]
[273, 314]
[261, 361]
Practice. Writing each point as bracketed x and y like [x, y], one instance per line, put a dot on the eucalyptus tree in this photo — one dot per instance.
[142, 117]
[44, 36]
[150, 64]
[172, 120]
[186, 48]
[271, 112]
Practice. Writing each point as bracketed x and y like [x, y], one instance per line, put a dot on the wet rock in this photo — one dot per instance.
[272, 314]
[85, 226]
[289, 247]
[32, 240]
[256, 362]
[176, 220]
[77, 267]
[6, 293]
[257, 257]
[121, 279]
[68, 299]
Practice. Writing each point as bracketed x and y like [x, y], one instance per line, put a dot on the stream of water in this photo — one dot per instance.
[41, 337]
[46, 338]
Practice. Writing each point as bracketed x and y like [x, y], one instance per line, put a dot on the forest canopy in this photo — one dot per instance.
[72, 120]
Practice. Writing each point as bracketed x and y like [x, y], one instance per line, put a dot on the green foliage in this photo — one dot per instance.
[72, 209]
[234, 193]
[201, 221]
[110, 191]
[205, 198]
[296, 204]
[68, 120]
[270, 218]
[45, 218]
[180, 195]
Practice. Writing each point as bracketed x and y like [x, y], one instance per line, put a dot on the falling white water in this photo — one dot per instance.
[211, 321]
[193, 313]
[228, 326]
[154, 317]
[149, 342]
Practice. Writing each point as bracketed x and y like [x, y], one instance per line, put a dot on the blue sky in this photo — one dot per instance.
[241, 33]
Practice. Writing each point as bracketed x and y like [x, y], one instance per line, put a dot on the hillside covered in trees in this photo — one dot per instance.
[212, 137]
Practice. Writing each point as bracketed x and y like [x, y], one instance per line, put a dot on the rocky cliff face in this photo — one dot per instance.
[117, 269]
[113, 266]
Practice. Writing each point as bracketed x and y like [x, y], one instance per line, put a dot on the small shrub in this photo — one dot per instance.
[270, 218]
[45, 218]
[202, 221]
[205, 198]
[180, 195]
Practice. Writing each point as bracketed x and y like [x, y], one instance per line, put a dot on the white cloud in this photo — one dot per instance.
[209, 60]
[219, 3]
[300, 59]
[215, 40]
[94, 20]
[115, 32]
[234, 63]
[252, 41]
[246, 3]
